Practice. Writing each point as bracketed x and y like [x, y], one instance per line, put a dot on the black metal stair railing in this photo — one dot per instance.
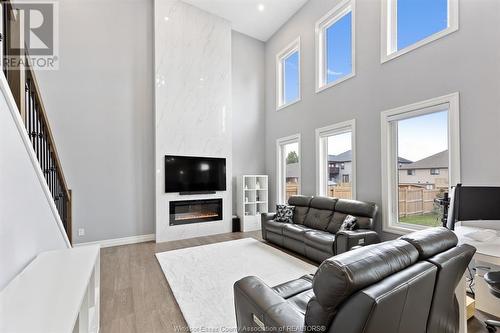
[44, 149]
[26, 92]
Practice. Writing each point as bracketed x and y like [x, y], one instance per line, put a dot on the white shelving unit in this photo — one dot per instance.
[253, 199]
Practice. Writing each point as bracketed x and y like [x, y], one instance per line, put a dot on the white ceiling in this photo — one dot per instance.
[246, 17]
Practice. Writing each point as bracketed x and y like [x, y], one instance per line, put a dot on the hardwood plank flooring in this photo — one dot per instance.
[135, 296]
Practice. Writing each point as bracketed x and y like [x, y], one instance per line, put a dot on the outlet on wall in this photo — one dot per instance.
[81, 232]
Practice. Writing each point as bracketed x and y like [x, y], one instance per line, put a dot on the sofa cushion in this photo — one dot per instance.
[301, 204]
[320, 213]
[340, 276]
[295, 231]
[320, 240]
[364, 212]
[273, 226]
[431, 241]
[349, 224]
[301, 300]
[284, 213]
[294, 287]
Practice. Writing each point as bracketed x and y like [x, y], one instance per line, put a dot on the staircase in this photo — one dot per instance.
[26, 92]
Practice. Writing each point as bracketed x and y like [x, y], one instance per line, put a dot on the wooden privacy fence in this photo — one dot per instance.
[291, 189]
[416, 201]
[340, 191]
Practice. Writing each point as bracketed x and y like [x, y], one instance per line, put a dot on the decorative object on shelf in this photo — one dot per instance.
[257, 186]
[246, 187]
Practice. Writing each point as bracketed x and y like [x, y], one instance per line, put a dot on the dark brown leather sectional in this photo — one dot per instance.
[401, 286]
[315, 233]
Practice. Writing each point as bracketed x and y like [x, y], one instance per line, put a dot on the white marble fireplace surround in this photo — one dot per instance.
[192, 103]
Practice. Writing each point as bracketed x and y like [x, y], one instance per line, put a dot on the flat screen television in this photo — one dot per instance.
[194, 174]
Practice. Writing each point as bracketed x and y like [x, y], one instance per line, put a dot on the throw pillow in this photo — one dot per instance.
[284, 213]
[350, 223]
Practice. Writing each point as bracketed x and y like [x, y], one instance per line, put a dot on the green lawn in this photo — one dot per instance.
[430, 220]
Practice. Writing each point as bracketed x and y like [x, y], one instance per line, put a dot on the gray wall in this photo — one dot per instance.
[100, 105]
[466, 61]
[248, 107]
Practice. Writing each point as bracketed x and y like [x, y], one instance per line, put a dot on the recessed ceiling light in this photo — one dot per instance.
[260, 7]
[166, 18]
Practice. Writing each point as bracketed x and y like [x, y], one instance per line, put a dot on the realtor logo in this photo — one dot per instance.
[31, 34]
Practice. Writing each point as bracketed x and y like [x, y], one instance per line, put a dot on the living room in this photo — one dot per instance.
[171, 149]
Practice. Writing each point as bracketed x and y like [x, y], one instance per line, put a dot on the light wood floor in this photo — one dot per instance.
[135, 296]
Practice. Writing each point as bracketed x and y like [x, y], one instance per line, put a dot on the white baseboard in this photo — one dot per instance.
[121, 241]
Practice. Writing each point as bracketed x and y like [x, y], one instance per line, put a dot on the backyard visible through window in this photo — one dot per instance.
[419, 19]
[291, 78]
[292, 169]
[423, 162]
[339, 169]
[339, 49]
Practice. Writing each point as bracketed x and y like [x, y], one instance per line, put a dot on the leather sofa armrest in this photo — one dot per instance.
[347, 239]
[267, 216]
[260, 308]
[263, 218]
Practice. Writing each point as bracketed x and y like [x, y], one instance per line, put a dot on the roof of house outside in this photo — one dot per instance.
[436, 161]
[292, 170]
[403, 160]
[342, 157]
[347, 157]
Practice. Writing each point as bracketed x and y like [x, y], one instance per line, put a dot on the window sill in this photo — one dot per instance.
[387, 57]
[281, 107]
[402, 229]
[334, 83]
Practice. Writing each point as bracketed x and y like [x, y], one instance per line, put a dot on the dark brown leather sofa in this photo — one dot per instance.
[314, 232]
[401, 286]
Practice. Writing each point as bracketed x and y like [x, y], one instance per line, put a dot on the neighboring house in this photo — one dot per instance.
[340, 167]
[430, 172]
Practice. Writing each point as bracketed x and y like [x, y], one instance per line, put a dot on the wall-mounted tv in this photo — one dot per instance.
[194, 174]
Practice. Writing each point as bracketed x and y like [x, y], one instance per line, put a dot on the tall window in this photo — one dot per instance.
[335, 46]
[410, 160]
[409, 24]
[288, 75]
[289, 171]
[336, 160]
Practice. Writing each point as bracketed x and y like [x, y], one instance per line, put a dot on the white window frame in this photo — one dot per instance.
[388, 47]
[389, 151]
[322, 135]
[280, 57]
[280, 166]
[338, 12]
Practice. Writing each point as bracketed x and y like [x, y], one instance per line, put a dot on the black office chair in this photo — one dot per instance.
[493, 281]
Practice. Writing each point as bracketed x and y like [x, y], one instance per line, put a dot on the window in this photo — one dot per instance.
[409, 24]
[335, 46]
[435, 172]
[336, 160]
[288, 167]
[408, 189]
[288, 75]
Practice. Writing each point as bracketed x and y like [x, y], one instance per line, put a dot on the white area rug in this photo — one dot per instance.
[202, 278]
